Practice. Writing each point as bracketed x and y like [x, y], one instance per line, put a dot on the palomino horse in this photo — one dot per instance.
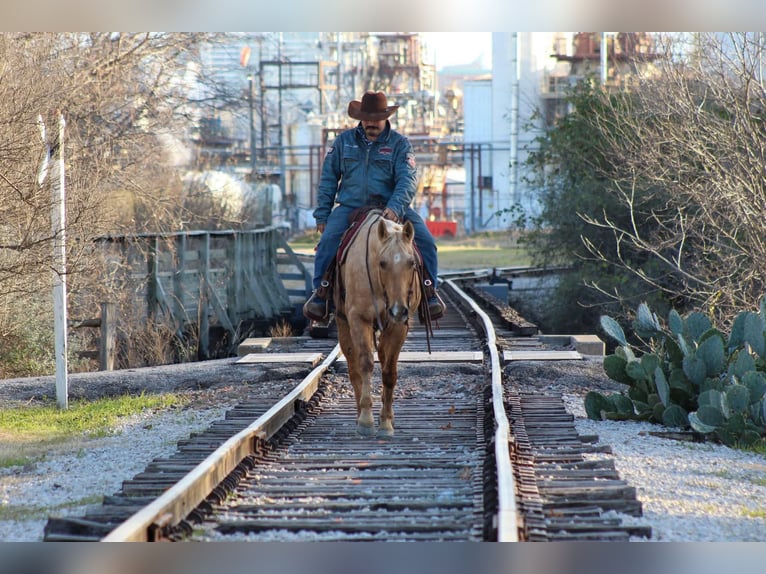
[377, 290]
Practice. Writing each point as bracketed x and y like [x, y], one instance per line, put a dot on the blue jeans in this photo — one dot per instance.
[337, 223]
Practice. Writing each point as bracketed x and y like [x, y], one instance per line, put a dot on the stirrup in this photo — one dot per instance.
[436, 306]
[316, 309]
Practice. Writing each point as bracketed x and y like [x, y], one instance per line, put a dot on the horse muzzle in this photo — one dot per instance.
[398, 313]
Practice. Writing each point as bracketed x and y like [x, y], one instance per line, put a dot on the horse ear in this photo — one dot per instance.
[409, 230]
[382, 229]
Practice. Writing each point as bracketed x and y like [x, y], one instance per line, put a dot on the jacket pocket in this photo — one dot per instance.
[384, 167]
[352, 156]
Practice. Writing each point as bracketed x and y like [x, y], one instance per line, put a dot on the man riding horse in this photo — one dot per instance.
[371, 164]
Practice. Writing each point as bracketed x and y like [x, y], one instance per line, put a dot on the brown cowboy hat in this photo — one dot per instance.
[373, 107]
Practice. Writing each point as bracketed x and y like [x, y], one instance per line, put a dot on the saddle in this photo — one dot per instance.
[331, 278]
[330, 275]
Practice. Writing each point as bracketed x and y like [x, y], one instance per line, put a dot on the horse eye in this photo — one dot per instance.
[382, 264]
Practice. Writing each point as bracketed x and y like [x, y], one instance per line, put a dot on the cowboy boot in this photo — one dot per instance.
[319, 305]
[316, 308]
[436, 305]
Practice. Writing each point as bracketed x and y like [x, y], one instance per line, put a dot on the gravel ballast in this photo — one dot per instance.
[689, 491]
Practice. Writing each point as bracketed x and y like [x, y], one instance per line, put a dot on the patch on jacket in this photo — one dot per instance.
[386, 150]
[411, 160]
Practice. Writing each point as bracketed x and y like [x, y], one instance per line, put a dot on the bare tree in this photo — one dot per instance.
[687, 156]
[124, 101]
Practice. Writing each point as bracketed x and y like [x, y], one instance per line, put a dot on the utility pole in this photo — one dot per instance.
[54, 158]
[252, 124]
[603, 59]
[514, 143]
[244, 58]
[280, 142]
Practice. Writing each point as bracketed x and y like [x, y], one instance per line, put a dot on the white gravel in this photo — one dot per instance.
[689, 491]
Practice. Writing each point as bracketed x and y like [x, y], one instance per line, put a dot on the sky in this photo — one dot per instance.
[457, 48]
[444, 15]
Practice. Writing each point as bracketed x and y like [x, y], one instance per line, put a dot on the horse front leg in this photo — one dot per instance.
[347, 347]
[391, 341]
[357, 345]
[365, 423]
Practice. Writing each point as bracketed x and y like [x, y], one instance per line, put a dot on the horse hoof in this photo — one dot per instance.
[385, 433]
[365, 430]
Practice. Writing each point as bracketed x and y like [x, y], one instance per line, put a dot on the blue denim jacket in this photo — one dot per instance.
[354, 170]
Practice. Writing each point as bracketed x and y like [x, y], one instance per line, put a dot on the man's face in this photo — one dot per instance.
[373, 128]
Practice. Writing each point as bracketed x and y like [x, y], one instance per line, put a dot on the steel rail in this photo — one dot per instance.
[177, 502]
[507, 513]
[501, 272]
[174, 505]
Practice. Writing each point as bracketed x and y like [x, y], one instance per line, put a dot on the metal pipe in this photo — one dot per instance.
[515, 81]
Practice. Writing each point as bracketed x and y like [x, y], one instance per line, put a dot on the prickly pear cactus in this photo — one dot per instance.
[694, 376]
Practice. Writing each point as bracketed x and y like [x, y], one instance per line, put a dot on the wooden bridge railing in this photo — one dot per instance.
[226, 279]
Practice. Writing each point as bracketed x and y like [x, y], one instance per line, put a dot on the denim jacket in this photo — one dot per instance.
[355, 171]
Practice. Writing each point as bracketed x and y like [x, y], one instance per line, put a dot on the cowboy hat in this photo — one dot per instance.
[373, 107]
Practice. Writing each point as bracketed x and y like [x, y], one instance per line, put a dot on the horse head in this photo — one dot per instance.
[397, 269]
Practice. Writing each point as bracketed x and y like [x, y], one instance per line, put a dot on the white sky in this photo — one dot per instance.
[456, 48]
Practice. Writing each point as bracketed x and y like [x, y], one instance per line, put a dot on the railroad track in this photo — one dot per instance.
[473, 458]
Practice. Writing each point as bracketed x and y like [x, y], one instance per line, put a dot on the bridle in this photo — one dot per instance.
[380, 281]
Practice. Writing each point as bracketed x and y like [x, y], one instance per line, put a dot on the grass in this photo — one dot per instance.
[758, 513]
[455, 255]
[725, 474]
[758, 447]
[281, 329]
[480, 251]
[31, 512]
[27, 433]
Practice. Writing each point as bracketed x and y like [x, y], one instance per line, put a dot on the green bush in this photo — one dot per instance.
[692, 376]
[27, 352]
